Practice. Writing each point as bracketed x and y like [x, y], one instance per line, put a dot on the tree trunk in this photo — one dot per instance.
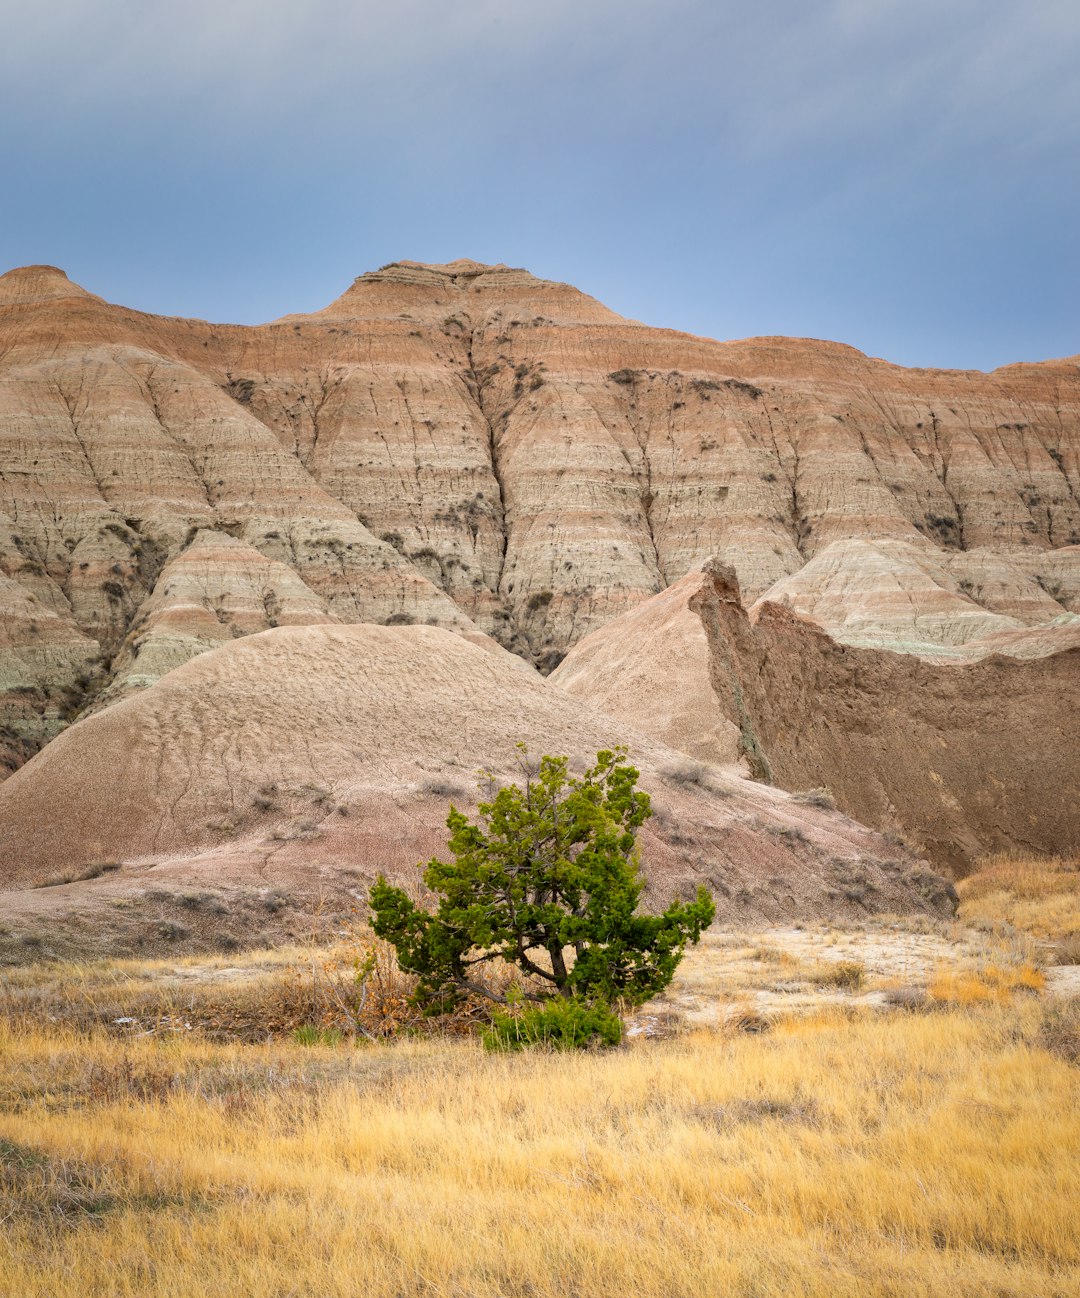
[558, 968]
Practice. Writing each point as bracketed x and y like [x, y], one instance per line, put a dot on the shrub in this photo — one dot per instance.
[558, 1024]
[933, 888]
[847, 975]
[1067, 951]
[748, 1019]
[548, 660]
[686, 773]
[1059, 1031]
[547, 881]
[241, 390]
[750, 390]
[82, 876]
[820, 798]
[439, 787]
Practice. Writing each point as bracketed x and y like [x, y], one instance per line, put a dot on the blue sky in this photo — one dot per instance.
[902, 175]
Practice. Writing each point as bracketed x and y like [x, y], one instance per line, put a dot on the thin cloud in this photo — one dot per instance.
[777, 75]
[792, 166]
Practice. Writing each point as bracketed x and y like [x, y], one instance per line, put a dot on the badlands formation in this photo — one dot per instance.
[282, 770]
[342, 551]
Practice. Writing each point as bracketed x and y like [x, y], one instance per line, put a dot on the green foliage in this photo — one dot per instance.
[558, 1024]
[310, 1034]
[549, 869]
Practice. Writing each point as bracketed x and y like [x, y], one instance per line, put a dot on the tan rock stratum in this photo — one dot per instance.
[473, 448]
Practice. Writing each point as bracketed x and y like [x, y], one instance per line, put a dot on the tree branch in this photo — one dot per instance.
[528, 964]
[479, 990]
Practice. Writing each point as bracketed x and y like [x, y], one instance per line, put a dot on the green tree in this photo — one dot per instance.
[549, 868]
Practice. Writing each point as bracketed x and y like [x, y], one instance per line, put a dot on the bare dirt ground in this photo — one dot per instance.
[760, 975]
[1017, 935]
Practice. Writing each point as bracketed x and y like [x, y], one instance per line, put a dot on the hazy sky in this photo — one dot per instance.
[903, 175]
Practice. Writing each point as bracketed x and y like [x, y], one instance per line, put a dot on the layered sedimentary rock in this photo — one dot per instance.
[960, 756]
[965, 759]
[315, 757]
[913, 598]
[471, 446]
[215, 590]
[46, 664]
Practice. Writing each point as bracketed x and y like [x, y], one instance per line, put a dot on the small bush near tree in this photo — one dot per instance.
[559, 1024]
[546, 880]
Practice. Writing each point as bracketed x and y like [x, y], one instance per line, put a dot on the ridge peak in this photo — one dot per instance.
[25, 284]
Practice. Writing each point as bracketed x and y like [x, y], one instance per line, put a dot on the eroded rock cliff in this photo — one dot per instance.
[473, 447]
[961, 756]
[963, 760]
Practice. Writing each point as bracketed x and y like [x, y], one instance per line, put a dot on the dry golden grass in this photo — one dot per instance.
[837, 1155]
[846, 1153]
[845, 974]
[1039, 895]
[976, 986]
[351, 987]
[233, 997]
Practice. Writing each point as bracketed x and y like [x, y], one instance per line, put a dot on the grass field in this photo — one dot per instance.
[1039, 896]
[853, 1149]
